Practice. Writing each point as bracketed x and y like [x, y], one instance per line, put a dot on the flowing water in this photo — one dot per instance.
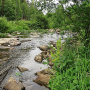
[24, 55]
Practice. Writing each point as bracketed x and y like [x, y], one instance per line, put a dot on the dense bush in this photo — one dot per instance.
[22, 24]
[42, 22]
[3, 35]
[9, 9]
[14, 27]
[3, 25]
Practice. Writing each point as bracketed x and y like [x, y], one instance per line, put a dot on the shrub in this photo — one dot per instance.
[72, 68]
[3, 25]
[3, 35]
[42, 22]
[22, 24]
[14, 27]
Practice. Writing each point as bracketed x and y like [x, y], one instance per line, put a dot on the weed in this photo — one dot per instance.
[72, 68]
[18, 74]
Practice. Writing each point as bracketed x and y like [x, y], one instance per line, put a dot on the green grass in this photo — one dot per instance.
[72, 67]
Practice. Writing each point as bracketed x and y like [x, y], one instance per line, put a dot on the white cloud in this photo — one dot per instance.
[55, 1]
[44, 11]
[68, 4]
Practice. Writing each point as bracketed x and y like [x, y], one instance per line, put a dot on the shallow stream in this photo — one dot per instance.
[24, 55]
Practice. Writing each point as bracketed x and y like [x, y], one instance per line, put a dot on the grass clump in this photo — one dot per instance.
[71, 66]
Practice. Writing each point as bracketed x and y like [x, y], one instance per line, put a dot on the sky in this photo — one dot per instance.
[56, 2]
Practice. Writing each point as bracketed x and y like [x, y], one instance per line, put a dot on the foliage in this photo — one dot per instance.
[25, 10]
[0, 7]
[72, 68]
[3, 25]
[18, 10]
[3, 35]
[22, 24]
[43, 31]
[59, 17]
[55, 56]
[18, 74]
[50, 18]
[9, 9]
[42, 22]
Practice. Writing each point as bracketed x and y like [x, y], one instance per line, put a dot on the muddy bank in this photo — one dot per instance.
[23, 56]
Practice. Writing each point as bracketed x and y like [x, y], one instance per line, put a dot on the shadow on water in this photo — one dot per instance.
[24, 55]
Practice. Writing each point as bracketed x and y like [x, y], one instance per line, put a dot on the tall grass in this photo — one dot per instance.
[72, 68]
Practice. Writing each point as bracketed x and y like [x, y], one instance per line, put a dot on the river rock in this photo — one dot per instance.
[22, 69]
[5, 47]
[25, 40]
[58, 31]
[51, 30]
[42, 79]
[9, 41]
[34, 34]
[44, 54]
[51, 63]
[53, 43]
[43, 47]
[13, 85]
[38, 58]
[45, 71]
[9, 35]
[18, 33]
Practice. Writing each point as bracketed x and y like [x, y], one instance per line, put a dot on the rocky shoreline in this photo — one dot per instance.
[43, 76]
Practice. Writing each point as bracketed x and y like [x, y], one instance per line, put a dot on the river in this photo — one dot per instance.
[24, 55]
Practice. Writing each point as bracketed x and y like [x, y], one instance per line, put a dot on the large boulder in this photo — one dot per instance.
[43, 47]
[22, 69]
[13, 85]
[51, 63]
[9, 42]
[42, 79]
[44, 54]
[38, 58]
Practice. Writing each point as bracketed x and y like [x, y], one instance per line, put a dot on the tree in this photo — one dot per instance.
[18, 10]
[0, 7]
[9, 9]
[78, 19]
[25, 10]
[45, 4]
[42, 22]
[59, 17]
[34, 11]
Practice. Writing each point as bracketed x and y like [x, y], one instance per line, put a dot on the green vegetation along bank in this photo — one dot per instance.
[72, 62]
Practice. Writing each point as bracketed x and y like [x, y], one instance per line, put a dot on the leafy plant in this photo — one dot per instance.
[18, 74]
[71, 66]
[4, 25]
